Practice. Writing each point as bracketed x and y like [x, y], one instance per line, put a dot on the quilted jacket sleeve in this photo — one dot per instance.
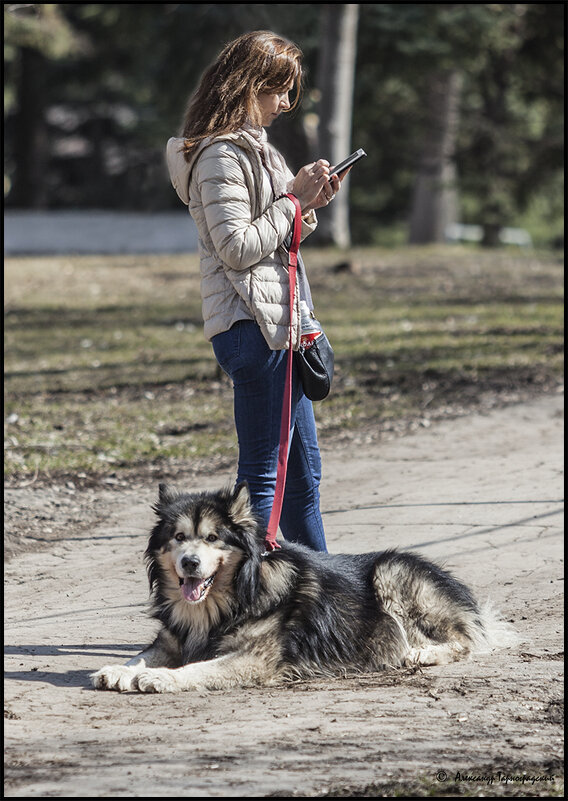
[239, 240]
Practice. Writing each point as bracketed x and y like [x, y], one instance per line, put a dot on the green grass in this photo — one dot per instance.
[107, 371]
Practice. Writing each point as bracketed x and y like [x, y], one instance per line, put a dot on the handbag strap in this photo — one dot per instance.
[270, 540]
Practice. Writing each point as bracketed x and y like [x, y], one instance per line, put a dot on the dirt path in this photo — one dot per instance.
[483, 494]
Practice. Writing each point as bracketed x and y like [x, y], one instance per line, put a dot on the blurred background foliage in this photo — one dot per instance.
[470, 95]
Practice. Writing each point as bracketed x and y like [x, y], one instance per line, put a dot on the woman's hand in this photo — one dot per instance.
[328, 191]
[314, 187]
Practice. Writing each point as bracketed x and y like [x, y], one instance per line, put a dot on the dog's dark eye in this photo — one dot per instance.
[180, 536]
[212, 537]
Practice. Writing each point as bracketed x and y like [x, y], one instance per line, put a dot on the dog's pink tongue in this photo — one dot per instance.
[191, 589]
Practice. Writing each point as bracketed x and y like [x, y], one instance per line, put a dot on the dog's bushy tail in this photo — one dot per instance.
[495, 632]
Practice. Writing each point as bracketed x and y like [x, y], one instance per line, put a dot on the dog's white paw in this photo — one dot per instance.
[115, 677]
[156, 680]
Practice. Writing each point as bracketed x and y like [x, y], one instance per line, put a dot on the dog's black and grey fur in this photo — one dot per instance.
[232, 614]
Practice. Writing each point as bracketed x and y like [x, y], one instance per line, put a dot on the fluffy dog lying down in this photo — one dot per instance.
[232, 614]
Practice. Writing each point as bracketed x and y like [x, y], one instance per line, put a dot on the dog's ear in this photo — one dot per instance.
[166, 495]
[240, 508]
[250, 541]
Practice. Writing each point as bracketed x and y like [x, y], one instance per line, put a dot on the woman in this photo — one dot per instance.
[235, 183]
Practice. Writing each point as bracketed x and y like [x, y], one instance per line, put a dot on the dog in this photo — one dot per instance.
[233, 614]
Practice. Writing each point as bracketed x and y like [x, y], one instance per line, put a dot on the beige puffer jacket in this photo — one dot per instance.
[241, 228]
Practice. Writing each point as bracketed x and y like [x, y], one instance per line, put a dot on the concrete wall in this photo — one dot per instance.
[54, 232]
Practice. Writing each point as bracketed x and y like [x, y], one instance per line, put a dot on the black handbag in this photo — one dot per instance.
[315, 367]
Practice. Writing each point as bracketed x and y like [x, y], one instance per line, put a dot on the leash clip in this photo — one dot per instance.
[270, 545]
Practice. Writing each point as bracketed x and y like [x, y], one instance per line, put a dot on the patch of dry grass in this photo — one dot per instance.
[107, 371]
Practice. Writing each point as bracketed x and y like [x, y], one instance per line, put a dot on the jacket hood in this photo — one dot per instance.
[180, 169]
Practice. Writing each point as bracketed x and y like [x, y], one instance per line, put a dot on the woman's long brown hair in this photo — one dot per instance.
[225, 99]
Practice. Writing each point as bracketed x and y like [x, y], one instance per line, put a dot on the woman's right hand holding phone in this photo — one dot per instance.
[314, 186]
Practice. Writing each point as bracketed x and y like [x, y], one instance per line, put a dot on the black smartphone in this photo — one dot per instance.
[348, 162]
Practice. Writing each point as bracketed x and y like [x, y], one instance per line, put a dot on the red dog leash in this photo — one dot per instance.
[270, 541]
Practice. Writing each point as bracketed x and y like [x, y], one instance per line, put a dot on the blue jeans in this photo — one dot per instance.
[258, 376]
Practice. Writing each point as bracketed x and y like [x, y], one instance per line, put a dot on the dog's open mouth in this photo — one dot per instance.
[195, 589]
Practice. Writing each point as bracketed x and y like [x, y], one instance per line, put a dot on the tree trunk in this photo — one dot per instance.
[435, 200]
[335, 80]
[30, 134]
